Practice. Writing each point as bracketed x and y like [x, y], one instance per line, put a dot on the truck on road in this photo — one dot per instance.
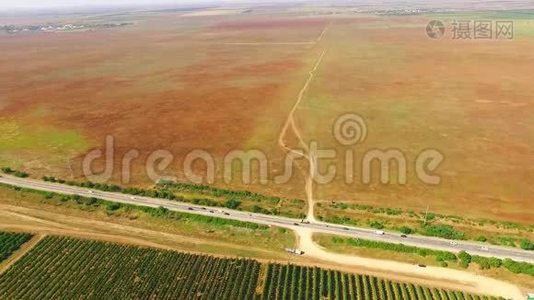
[294, 251]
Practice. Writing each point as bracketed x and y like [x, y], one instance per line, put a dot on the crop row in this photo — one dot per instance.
[65, 268]
[11, 242]
[295, 282]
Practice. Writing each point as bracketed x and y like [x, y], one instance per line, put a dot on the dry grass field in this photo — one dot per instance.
[470, 99]
[225, 81]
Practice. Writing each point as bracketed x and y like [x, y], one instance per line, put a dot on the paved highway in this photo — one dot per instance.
[318, 227]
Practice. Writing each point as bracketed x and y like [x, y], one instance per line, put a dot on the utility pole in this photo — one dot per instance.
[426, 214]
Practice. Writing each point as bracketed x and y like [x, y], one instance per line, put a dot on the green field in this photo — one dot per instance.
[67, 268]
[295, 282]
[11, 242]
[64, 268]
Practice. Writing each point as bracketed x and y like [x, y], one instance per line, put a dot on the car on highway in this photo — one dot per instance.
[296, 224]
[484, 248]
[421, 266]
[453, 243]
[403, 236]
[379, 232]
[133, 197]
[90, 192]
[226, 214]
[190, 208]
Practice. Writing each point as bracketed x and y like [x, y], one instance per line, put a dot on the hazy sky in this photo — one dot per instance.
[8, 4]
[25, 4]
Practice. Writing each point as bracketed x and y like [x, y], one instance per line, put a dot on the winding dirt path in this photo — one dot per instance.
[290, 122]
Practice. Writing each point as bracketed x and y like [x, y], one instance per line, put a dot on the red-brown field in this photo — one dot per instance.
[471, 100]
[225, 82]
[177, 86]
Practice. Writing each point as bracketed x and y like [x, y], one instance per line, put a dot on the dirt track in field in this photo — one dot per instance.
[290, 122]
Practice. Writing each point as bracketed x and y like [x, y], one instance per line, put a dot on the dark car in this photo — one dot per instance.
[190, 208]
[403, 236]
[421, 266]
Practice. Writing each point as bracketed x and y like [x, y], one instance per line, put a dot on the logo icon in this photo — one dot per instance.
[350, 129]
[435, 29]
[505, 30]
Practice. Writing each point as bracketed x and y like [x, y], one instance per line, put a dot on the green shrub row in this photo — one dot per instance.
[429, 216]
[443, 231]
[509, 264]
[16, 173]
[217, 192]
[155, 212]
[436, 230]
[165, 190]
[361, 243]
[463, 258]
